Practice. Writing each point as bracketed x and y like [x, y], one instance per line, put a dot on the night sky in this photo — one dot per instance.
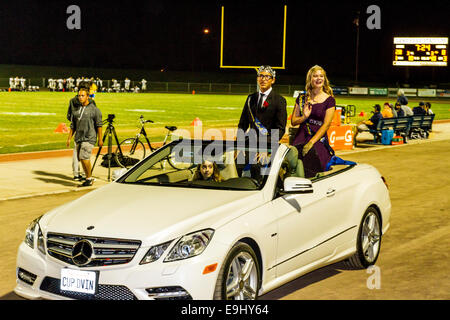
[156, 34]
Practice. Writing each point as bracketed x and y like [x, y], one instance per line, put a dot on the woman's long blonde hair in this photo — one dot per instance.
[216, 176]
[326, 84]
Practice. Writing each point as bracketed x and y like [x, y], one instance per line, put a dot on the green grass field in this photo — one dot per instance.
[28, 119]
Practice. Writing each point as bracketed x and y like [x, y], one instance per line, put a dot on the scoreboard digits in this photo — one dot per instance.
[420, 52]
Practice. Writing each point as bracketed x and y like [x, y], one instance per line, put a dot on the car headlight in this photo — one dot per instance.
[190, 245]
[31, 230]
[155, 252]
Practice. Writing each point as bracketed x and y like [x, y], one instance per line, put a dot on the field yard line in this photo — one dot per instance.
[15, 129]
[145, 110]
[28, 113]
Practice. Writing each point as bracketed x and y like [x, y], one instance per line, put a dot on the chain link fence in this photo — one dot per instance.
[43, 84]
[176, 87]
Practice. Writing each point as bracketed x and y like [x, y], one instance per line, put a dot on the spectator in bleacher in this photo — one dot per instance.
[402, 98]
[387, 112]
[371, 124]
[407, 110]
[428, 108]
[394, 112]
[420, 109]
[399, 110]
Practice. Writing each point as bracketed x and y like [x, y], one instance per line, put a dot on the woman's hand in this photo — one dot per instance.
[307, 147]
[307, 109]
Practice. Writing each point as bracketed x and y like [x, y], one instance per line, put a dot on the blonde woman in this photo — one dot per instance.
[314, 113]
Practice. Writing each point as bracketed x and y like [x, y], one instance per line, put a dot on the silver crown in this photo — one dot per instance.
[267, 69]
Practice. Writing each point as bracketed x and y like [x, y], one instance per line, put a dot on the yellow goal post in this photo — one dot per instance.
[283, 64]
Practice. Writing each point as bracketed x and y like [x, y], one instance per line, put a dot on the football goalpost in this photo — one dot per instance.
[283, 58]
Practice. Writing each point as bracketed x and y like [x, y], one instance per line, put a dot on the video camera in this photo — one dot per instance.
[110, 119]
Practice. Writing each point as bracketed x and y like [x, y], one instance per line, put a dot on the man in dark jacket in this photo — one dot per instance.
[402, 98]
[264, 116]
[265, 111]
[371, 124]
[399, 110]
[420, 110]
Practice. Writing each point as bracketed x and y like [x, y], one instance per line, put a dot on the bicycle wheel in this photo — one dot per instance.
[133, 151]
[179, 165]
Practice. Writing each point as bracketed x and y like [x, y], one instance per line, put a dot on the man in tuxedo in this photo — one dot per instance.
[265, 107]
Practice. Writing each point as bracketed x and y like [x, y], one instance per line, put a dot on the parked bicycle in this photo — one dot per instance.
[132, 150]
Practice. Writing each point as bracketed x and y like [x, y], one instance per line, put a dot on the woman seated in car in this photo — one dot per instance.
[207, 171]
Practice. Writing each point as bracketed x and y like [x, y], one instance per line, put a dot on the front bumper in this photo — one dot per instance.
[130, 281]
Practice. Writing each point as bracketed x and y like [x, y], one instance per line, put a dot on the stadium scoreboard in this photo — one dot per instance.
[420, 51]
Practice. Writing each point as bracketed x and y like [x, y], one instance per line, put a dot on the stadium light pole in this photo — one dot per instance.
[204, 45]
[356, 22]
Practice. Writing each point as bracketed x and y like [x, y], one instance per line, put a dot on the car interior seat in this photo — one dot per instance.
[228, 170]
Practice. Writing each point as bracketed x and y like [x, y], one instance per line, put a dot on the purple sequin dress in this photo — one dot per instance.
[322, 153]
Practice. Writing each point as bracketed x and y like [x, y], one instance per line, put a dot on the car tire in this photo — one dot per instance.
[239, 276]
[368, 242]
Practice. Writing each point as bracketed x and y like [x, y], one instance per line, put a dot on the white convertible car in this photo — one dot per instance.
[159, 232]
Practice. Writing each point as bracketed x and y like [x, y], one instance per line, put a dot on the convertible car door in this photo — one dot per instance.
[306, 223]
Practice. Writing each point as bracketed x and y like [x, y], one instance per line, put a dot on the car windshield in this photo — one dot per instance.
[203, 164]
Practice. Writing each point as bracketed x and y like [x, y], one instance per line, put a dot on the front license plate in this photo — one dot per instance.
[79, 281]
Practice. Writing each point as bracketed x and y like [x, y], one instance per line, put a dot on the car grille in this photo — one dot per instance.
[106, 251]
[105, 292]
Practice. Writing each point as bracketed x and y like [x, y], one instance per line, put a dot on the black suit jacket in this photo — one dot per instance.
[273, 116]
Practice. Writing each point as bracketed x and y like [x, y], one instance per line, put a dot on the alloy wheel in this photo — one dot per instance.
[370, 237]
[242, 278]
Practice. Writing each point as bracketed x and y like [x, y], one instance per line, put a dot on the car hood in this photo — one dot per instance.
[152, 214]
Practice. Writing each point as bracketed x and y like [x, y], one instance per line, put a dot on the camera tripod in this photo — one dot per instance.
[109, 132]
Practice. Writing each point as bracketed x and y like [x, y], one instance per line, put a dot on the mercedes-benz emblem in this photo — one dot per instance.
[82, 252]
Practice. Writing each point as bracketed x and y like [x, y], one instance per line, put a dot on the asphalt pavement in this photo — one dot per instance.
[31, 174]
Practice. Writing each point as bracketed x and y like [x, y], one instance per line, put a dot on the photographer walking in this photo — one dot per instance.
[74, 106]
[86, 127]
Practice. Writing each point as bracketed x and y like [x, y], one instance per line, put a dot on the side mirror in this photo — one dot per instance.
[297, 185]
[118, 173]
